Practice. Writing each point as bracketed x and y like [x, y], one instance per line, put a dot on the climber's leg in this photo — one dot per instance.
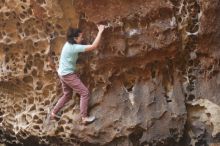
[73, 81]
[67, 94]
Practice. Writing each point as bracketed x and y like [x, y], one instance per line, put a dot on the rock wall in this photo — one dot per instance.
[154, 80]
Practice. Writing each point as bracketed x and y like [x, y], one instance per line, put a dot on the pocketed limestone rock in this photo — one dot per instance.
[154, 79]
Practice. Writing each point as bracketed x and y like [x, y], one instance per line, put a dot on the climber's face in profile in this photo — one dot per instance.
[79, 39]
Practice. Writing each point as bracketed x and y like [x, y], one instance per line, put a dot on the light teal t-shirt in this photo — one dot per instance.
[68, 58]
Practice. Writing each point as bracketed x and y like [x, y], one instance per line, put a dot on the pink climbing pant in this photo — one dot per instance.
[70, 83]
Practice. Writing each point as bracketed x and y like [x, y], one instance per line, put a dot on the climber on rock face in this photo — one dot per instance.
[67, 67]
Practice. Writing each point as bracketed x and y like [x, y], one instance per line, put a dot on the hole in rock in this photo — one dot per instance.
[34, 72]
[24, 101]
[129, 84]
[28, 79]
[7, 40]
[3, 33]
[1, 113]
[20, 30]
[18, 24]
[67, 127]
[179, 19]
[6, 49]
[33, 108]
[56, 58]
[23, 134]
[30, 63]
[208, 114]
[31, 100]
[136, 135]
[28, 66]
[129, 89]
[37, 55]
[26, 31]
[39, 85]
[173, 132]
[6, 59]
[70, 121]
[36, 127]
[153, 73]
[23, 118]
[35, 44]
[22, 16]
[17, 107]
[42, 51]
[23, 7]
[191, 97]
[7, 14]
[62, 122]
[168, 98]
[29, 11]
[39, 121]
[60, 129]
[35, 117]
[53, 53]
[58, 26]
[190, 88]
[190, 62]
[25, 70]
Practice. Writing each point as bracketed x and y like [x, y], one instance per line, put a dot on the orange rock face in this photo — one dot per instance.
[154, 80]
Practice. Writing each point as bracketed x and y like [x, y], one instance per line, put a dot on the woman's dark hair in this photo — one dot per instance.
[71, 34]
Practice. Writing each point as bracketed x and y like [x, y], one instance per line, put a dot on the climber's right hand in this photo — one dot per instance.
[101, 28]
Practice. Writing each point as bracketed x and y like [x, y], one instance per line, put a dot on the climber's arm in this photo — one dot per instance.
[97, 39]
